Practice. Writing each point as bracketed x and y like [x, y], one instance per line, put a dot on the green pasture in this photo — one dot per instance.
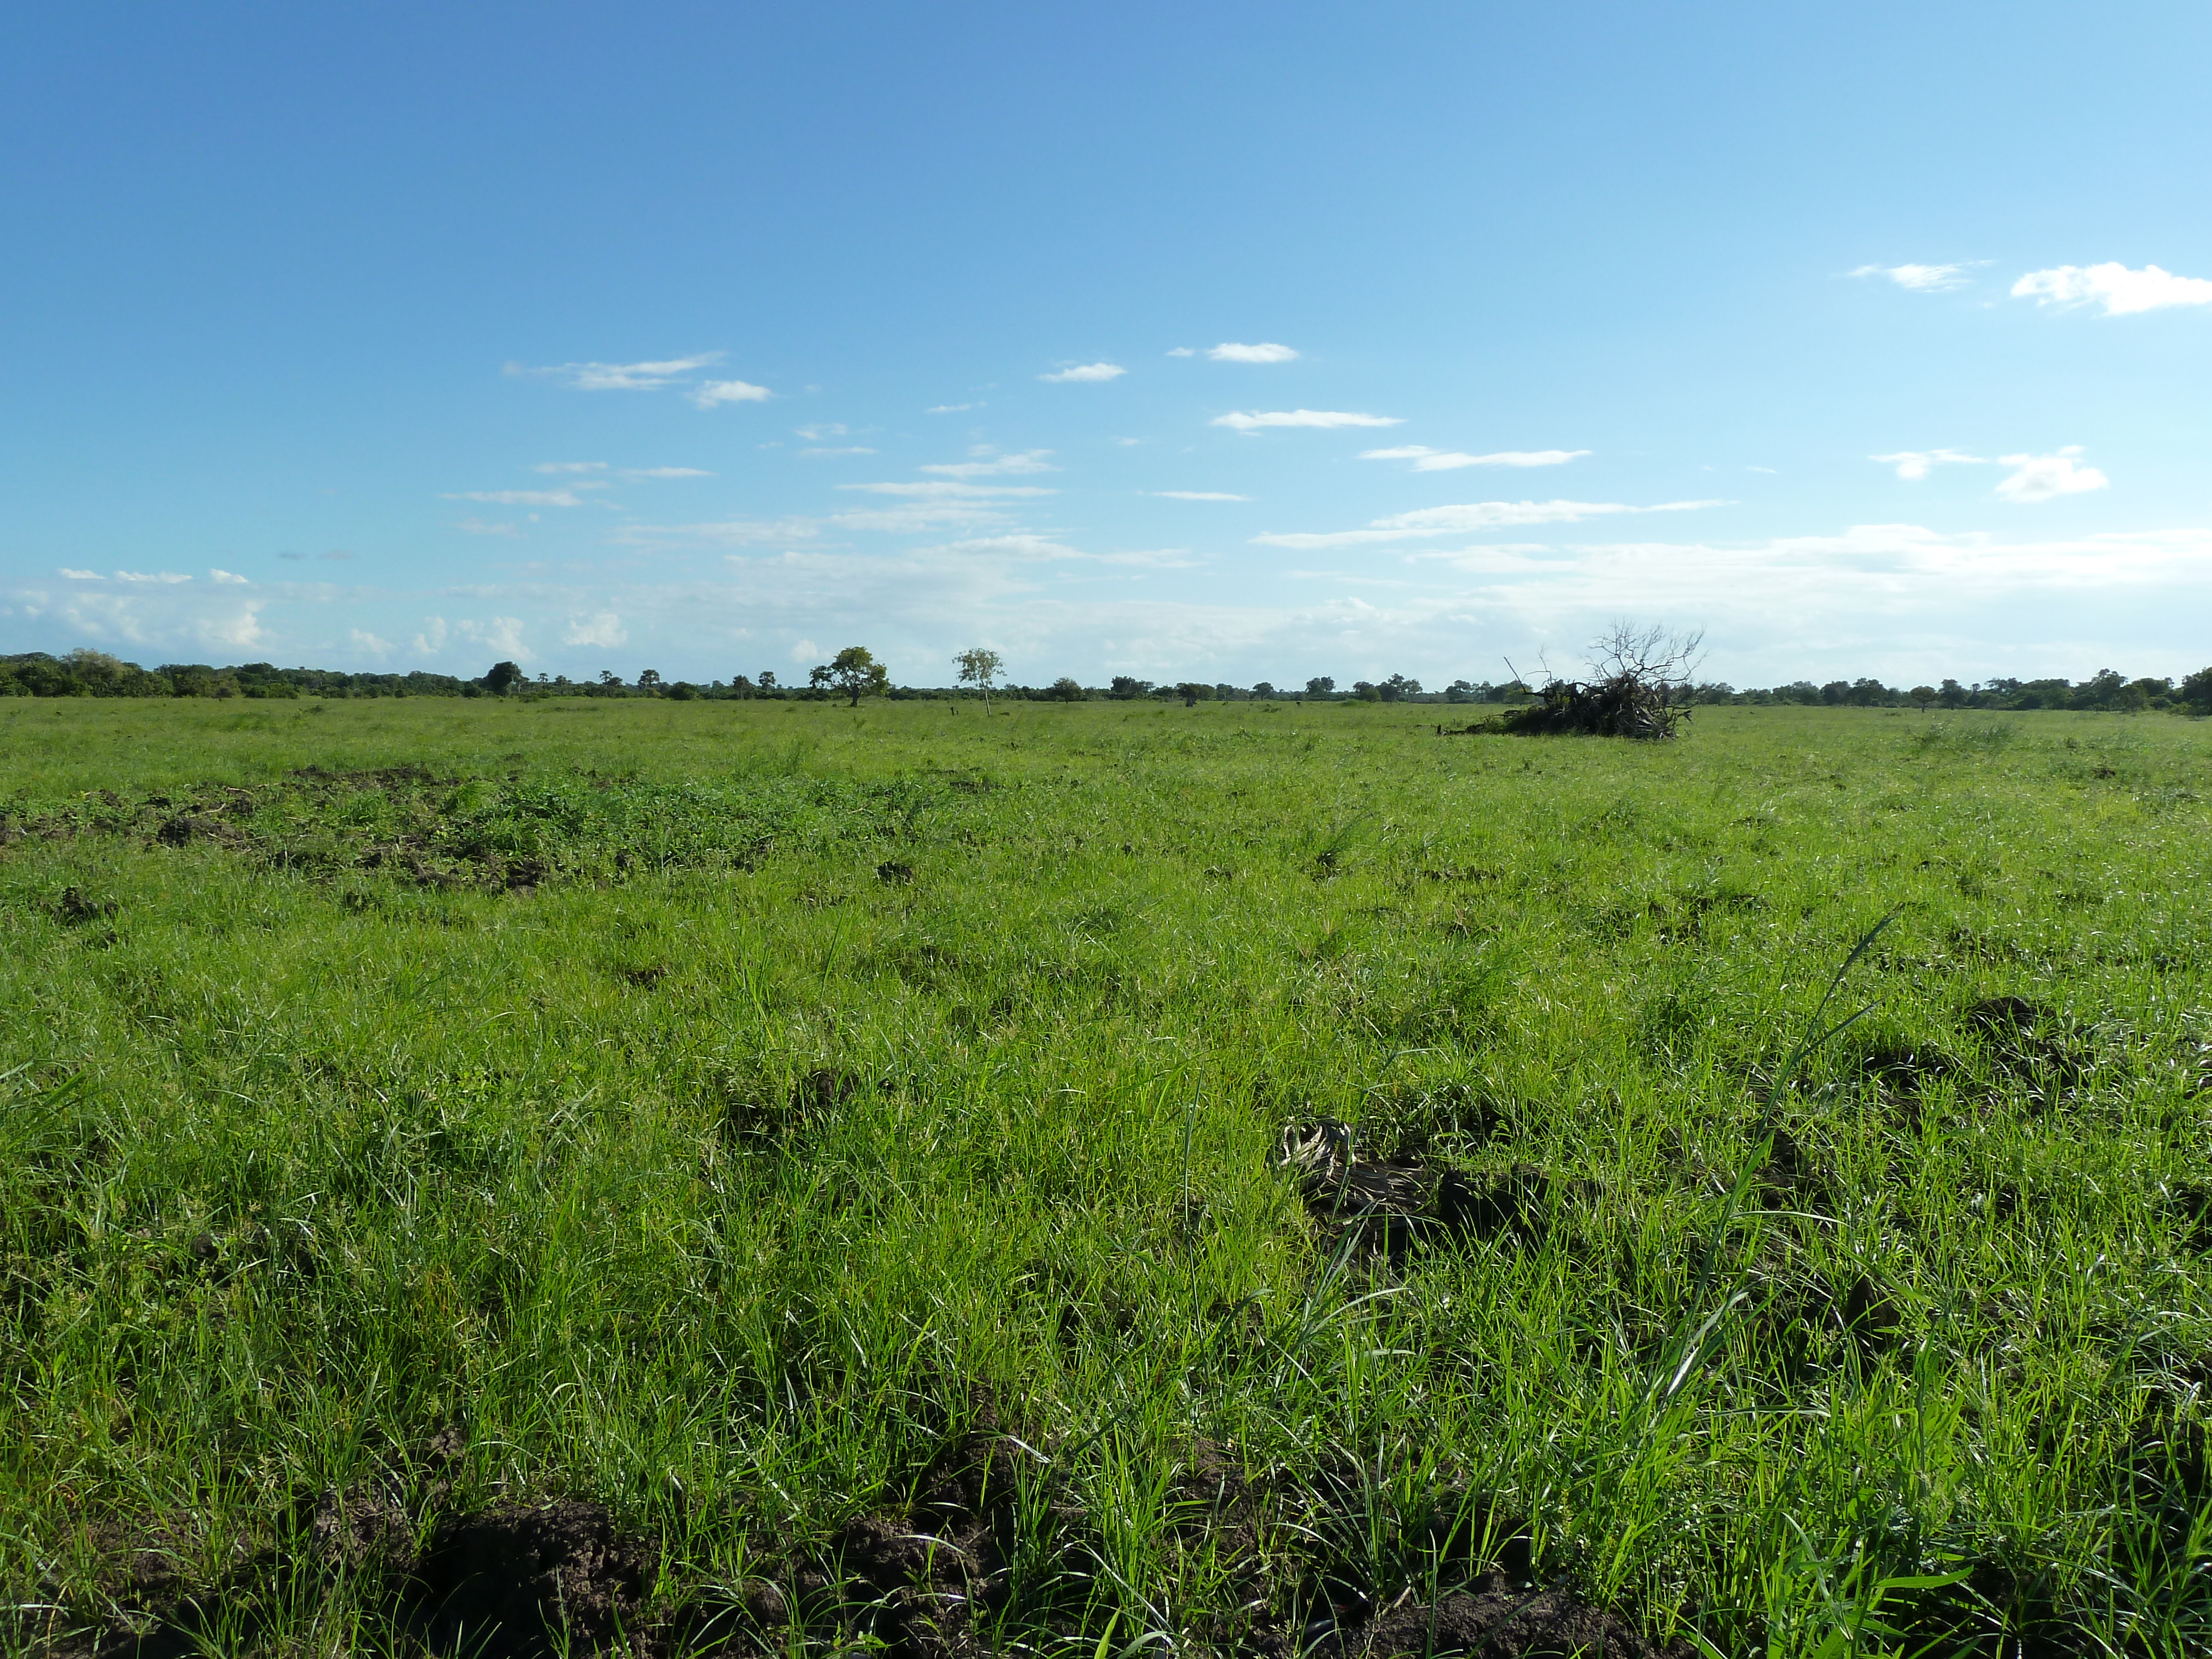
[715, 1111]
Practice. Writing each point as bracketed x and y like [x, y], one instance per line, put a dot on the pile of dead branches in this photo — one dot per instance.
[1639, 686]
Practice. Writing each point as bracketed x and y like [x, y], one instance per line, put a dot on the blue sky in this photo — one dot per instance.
[709, 338]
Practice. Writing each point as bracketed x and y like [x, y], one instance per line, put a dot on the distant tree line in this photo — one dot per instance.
[854, 673]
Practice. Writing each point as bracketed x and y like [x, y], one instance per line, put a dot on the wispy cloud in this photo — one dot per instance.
[487, 527]
[603, 630]
[2120, 291]
[1468, 516]
[1919, 463]
[1267, 352]
[2040, 477]
[639, 474]
[165, 576]
[368, 644]
[821, 431]
[1197, 496]
[951, 409]
[1180, 351]
[987, 465]
[934, 489]
[622, 377]
[2034, 478]
[1425, 460]
[569, 466]
[229, 577]
[1240, 421]
[503, 635]
[818, 454]
[566, 496]
[1087, 372]
[1025, 544]
[708, 394]
[1922, 279]
[81, 575]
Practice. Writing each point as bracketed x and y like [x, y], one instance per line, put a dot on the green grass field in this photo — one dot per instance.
[776, 1177]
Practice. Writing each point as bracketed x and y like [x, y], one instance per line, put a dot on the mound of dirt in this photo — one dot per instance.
[517, 1583]
[1493, 1621]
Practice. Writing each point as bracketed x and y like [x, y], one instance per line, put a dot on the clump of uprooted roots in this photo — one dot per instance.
[1639, 687]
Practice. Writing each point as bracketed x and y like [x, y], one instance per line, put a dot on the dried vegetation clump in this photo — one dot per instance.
[1638, 687]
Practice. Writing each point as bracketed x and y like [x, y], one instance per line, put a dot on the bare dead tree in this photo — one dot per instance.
[1639, 686]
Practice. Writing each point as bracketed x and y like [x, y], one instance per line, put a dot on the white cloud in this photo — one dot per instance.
[1468, 516]
[1197, 496]
[1180, 351]
[171, 576]
[240, 631]
[369, 645]
[1922, 279]
[639, 474]
[622, 377]
[227, 576]
[951, 409]
[802, 649]
[1029, 460]
[503, 635]
[81, 575]
[818, 454]
[1919, 463]
[1425, 460]
[603, 630]
[564, 497]
[2121, 290]
[487, 527]
[431, 639]
[1242, 422]
[710, 393]
[569, 466]
[1229, 352]
[1087, 372]
[816, 433]
[2042, 477]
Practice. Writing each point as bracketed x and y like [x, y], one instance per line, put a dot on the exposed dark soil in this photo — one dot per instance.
[1494, 1618]
[501, 1583]
[1396, 1204]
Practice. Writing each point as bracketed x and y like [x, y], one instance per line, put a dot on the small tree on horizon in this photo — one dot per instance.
[503, 679]
[854, 673]
[1923, 695]
[979, 665]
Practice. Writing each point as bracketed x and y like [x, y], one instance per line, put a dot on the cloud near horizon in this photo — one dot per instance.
[1085, 372]
[1899, 600]
[1326, 419]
